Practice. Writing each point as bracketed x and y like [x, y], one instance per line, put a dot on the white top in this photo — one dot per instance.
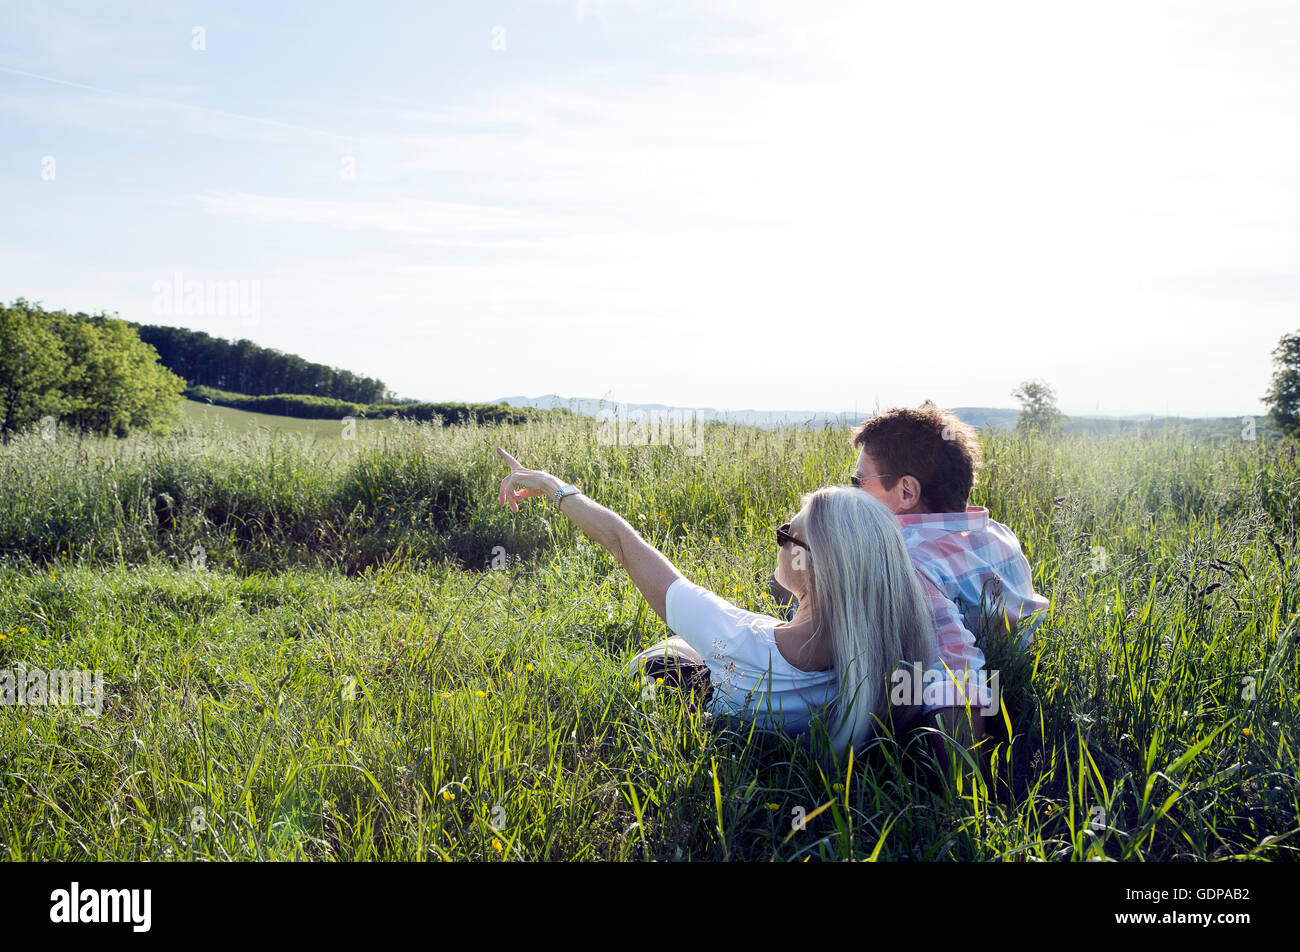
[747, 669]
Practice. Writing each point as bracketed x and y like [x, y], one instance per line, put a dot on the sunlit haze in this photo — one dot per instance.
[731, 205]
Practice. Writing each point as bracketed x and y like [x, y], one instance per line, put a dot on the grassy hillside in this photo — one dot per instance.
[326, 408]
[308, 653]
[202, 416]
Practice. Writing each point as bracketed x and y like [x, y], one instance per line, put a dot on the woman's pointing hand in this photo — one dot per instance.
[523, 483]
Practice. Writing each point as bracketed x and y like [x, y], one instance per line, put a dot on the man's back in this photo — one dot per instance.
[972, 572]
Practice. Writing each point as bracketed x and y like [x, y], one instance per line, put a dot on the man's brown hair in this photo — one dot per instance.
[927, 443]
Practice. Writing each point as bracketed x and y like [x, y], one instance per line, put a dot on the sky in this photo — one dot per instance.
[766, 205]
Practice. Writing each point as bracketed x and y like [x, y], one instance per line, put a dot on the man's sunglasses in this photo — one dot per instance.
[783, 536]
[857, 480]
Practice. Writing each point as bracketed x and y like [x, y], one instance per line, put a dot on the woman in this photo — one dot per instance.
[861, 612]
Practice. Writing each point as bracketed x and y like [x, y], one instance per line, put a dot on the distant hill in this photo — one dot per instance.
[992, 417]
[765, 419]
[997, 418]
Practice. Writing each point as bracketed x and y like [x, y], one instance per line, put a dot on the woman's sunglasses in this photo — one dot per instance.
[783, 536]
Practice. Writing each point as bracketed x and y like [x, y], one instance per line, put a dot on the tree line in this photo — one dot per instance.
[243, 367]
[90, 372]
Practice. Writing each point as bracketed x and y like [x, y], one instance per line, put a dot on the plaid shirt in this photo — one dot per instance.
[971, 571]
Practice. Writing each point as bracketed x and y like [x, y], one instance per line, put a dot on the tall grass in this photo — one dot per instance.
[308, 654]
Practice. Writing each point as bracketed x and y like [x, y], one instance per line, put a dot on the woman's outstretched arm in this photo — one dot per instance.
[651, 571]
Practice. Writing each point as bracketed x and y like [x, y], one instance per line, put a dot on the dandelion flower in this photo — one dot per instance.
[528, 666]
[480, 694]
[1247, 732]
[448, 796]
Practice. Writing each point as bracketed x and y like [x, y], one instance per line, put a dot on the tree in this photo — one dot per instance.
[32, 366]
[118, 384]
[1038, 410]
[1283, 397]
[93, 373]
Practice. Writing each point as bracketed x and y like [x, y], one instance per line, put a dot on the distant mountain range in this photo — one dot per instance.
[766, 419]
[997, 418]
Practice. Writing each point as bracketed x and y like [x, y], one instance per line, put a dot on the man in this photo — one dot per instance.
[921, 463]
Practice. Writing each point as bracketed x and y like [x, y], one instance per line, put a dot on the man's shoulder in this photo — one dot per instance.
[1005, 537]
[944, 547]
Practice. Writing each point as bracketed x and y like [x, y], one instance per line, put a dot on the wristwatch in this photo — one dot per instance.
[568, 489]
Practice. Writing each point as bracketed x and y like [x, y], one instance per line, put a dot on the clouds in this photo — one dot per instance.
[149, 117]
[448, 223]
[900, 200]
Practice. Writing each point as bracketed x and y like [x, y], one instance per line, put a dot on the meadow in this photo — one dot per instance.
[326, 648]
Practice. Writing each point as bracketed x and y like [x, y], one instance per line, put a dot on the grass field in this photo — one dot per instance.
[308, 653]
[199, 416]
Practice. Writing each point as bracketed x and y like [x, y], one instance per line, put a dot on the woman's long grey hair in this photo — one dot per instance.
[866, 599]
